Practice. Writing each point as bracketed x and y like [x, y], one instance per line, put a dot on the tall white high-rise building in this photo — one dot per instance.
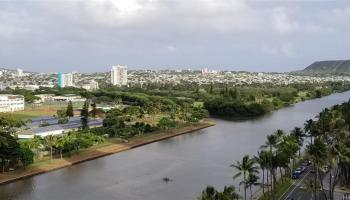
[65, 80]
[19, 72]
[119, 75]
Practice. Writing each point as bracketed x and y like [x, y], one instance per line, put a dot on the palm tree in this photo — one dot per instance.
[229, 192]
[310, 127]
[271, 143]
[245, 167]
[50, 142]
[299, 135]
[262, 160]
[208, 193]
[252, 181]
[60, 143]
[311, 187]
[317, 152]
[35, 143]
[279, 133]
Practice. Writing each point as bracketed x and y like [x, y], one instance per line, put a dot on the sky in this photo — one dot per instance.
[250, 35]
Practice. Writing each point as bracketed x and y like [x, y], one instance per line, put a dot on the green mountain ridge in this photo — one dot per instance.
[329, 67]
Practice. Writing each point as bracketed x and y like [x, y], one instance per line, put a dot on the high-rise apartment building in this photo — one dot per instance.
[119, 75]
[65, 80]
[19, 72]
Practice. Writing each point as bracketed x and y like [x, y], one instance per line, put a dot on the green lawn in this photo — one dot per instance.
[41, 110]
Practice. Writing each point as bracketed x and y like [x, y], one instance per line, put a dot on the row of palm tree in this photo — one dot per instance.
[329, 145]
[277, 154]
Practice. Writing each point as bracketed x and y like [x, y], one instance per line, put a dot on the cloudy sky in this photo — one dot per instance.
[92, 35]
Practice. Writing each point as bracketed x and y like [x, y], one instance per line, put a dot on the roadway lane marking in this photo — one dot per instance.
[295, 185]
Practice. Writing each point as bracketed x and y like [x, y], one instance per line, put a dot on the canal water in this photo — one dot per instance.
[191, 162]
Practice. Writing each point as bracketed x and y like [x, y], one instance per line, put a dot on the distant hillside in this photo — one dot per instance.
[330, 67]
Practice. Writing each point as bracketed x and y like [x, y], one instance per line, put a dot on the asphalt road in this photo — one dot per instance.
[298, 192]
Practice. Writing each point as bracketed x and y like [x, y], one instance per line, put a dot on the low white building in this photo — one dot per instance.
[11, 103]
[93, 85]
[72, 98]
[44, 97]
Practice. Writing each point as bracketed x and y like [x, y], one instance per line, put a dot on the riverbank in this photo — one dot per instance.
[113, 146]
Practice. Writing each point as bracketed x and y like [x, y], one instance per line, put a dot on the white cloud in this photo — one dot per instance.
[282, 22]
[204, 28]
[285, 50]
[171, 48]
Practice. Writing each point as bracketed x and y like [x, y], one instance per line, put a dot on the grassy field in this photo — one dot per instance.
[31, 111]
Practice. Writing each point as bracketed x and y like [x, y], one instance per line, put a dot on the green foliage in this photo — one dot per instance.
[70, 112]
[10, 149]
[9, 122]
[234, 109]
[94, 110]
[166, 123]
[85, 115]
[26, 156]
[210, 193]
[114, 126]
[62, 116]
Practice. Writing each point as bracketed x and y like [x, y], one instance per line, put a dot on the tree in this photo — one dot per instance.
[299, 135]
[50, 142]
[10, 151]
[9, 122]
[61, 141]
[70, 112]
[312, 187]
[210, 193]
[245, 167]
[85, 115]
[252, 181]
[229, 193]
[94, 110]
[26, 156]
[62, 116]
[263, 160]
[271, 143]
[317, 152]
[166, 123]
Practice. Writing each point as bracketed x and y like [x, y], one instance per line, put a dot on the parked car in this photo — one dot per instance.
[296, 174]
[307, 163]
[301, 169]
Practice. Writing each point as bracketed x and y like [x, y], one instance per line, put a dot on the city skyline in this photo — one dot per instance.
[85, 36]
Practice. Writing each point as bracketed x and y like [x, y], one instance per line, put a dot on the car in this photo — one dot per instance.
[301, 169]
[296, 174]
[307, 163]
